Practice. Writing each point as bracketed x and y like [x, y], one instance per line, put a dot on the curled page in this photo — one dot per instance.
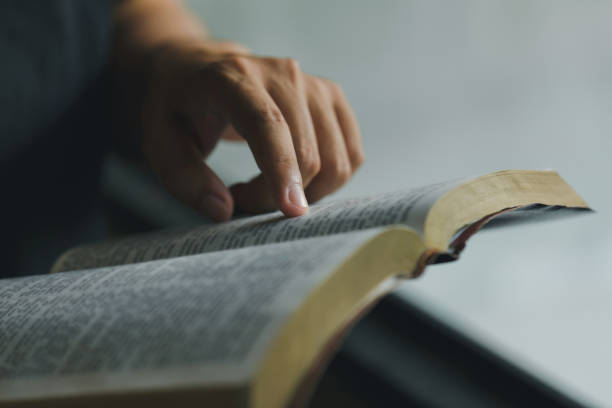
[407, 207]
[202, 318]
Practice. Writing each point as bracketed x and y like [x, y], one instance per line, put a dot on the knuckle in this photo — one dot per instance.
[231, 70]
[357, 159]
[336, 90]
[292, 68]
[310, 163]
[239, 63]
[267, 116]
[273, 114]
[339, 171]
[319, 87]
[284, 164]
[286, 71]
[217, 72]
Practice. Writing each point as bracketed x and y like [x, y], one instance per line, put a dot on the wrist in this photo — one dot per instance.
[198, 48]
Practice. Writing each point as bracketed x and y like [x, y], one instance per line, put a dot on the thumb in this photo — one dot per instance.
[200, 188]
[181, 168]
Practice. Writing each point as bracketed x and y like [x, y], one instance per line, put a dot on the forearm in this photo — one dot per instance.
[142, 25]
[141, 28]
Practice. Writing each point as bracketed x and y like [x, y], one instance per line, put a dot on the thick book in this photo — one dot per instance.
[243, 313]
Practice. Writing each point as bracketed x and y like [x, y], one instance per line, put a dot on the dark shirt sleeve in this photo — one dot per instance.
[54, 127]
[50, 51]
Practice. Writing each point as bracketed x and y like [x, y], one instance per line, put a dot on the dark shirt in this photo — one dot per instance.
[53, 126]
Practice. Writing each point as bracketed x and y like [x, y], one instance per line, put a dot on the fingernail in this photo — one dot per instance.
[215, 207]
[296, 196]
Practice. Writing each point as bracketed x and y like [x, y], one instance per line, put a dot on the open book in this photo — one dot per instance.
[240, 313]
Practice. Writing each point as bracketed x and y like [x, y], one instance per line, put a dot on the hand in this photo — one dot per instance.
[300, 128]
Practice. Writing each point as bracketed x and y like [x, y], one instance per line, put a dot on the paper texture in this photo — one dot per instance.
[216, 310]
[408, 207]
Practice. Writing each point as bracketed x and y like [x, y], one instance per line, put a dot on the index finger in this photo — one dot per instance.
[246, 104]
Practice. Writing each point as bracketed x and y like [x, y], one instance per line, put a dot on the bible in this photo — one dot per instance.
[243, 313]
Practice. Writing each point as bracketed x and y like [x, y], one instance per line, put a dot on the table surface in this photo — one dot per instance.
[448, 89]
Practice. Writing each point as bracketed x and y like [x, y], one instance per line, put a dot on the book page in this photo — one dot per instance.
[204, 318]
[407, 207]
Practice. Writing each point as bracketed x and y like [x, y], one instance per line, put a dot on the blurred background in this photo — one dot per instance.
[451, 89]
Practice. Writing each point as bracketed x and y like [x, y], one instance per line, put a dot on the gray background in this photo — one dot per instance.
[448, 89]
